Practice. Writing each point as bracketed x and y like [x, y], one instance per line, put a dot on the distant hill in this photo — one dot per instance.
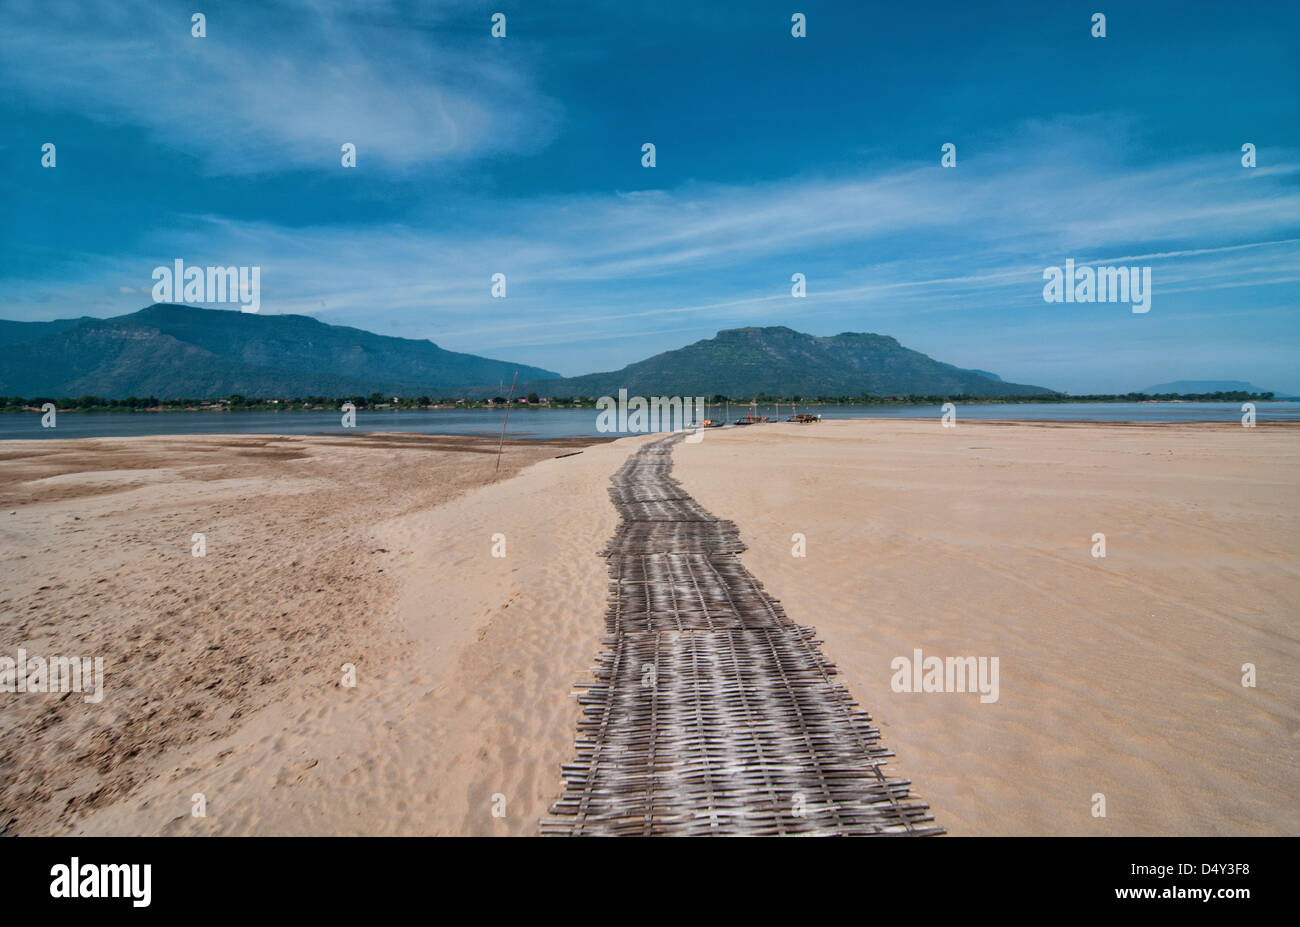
[172, 351]
[1204, 386]
[18, 332]
[780, 361]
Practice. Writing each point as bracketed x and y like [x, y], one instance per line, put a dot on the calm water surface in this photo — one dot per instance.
[563, 423]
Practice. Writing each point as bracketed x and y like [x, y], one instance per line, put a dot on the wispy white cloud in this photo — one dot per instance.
[380, 75]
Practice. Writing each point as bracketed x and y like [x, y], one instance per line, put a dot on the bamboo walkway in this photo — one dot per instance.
[711, 711]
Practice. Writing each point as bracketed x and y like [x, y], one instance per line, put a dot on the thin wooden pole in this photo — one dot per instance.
[509, 400]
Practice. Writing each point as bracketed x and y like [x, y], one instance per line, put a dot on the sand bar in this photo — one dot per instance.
[1118, 676]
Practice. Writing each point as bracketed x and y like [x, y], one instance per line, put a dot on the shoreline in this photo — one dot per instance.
[522, 434]
[591, 406]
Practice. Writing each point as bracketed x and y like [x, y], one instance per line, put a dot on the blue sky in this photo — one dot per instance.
[775, 156]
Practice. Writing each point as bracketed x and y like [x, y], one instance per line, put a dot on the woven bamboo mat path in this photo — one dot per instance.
[711, 712]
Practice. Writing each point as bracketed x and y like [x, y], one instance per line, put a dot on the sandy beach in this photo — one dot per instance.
[224, 674]
[1119, 676]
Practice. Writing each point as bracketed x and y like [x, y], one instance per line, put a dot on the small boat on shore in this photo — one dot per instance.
[752, 418]
[710, 422]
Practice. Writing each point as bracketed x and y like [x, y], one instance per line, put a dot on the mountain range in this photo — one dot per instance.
[172, 352]
[1203, 386]
[780, 361]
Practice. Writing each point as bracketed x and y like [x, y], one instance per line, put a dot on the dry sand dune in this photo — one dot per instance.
[1118, 675]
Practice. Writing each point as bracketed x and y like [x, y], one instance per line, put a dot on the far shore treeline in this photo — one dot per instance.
[236, 402]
